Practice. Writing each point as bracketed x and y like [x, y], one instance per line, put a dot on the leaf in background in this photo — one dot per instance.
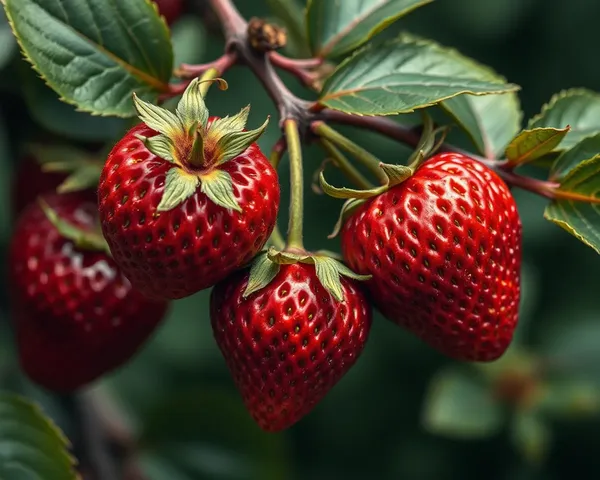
[403, 75]
[460, 406]
[7, 40]
[529, 145]
[96, 53]
[61, 118]
[572, 399]
[531, 436]
[207, 433]
[491, 121]
[584, 150]
[5, 184]
[580, 218]
[188, 36]
[31, 446]
[334, 29]
[291, 13]
[576, 107]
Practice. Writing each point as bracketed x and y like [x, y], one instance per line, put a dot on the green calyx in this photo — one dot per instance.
[329, 271]
[82, 238]
[196, 148]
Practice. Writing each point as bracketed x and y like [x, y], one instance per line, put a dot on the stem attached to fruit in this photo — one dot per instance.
[277, 152]
[346, 167]
[365, 157]
[295, 235]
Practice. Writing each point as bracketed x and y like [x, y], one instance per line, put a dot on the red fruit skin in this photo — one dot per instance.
[170, 9]
[76, 316]
[174, 254]
[288, 344]
[444, 249]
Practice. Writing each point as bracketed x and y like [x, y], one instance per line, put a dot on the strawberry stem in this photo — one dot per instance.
[295, 234]
[341, 162]
[277, 152]
[337, 139]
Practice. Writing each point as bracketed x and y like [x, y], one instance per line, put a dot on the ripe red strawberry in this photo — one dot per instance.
[170, 9]
[444, 252]
[290, 342]
[76, 316]
[183, 208]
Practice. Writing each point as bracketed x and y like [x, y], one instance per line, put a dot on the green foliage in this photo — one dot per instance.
[31, 446]
[530, 145]
[586, 149]
[403, 75]
[64, 44]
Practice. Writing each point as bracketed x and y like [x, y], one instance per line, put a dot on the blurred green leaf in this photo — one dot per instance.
[208, 432]
[95, 69]
[31, 446]
[531, 436]
[458, 405]
[403, 75]
[5, 182]
[529, 145]
[291, 13]
[334, 30]
[571, 399]
[578, 108]
[580, 218]
[7, 40]
[188, 37]
[584, 150]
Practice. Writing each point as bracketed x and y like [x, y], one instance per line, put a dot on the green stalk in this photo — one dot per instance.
[295, 234]
[210, 74]
[276, 238]
[365, 157]
[351, 172]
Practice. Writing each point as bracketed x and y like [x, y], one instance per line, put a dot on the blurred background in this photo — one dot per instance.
[403, 412]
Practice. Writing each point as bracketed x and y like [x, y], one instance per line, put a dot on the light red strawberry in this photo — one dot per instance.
[76, 316]
[444, 251]
[289, 342]
[184, 208]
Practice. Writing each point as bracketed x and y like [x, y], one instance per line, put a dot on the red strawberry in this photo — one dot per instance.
[184, 208]
[170, 9]
[31, 181]
[444, 251]
[77, 317]
[288, 343]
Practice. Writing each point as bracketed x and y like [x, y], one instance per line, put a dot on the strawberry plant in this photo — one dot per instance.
[131, 200]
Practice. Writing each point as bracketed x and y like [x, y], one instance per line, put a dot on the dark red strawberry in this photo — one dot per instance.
[170, 9]
[184, 208]
[444, 251]
[30, 181]
[290, 342]
[76, 316]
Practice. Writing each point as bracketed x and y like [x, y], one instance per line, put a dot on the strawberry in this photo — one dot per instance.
[289, 342]
[170, 9]
[77, 317]
[444, 251]
[185, 199]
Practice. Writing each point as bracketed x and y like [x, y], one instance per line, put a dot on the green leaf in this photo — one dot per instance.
[292, 15]
[234, 143]
[263, 271]
[7, 40]
[580, 218]
[218, 187]
[403, 75]
[490, 121]
[578, 108]
[584, 150]
[530, 145]
[31, 446]
[208, 433]
[531, 436]
[458, 405]
[96, 69]
[334, 30]
[179, 186]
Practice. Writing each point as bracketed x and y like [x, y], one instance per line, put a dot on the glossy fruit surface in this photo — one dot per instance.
[289, 343]
[77, 317]
[444, 249]
[175, 253]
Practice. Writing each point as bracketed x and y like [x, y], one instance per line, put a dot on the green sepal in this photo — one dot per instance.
[158, 118]
[191, 109]
[84, 239]
[236, 123]
[234, 143]
[287, 258]
[218, 187]
[262, 272]
[179, 186]
[329, 272]
[160, 145]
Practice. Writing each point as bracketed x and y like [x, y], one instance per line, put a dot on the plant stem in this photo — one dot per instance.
[221, 64]
[277, 152]
[295, 235]
[363, 156]
[231, 20]
[296, 67]
[340, 160]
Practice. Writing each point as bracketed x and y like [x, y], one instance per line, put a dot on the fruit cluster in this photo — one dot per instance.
[187, 202]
